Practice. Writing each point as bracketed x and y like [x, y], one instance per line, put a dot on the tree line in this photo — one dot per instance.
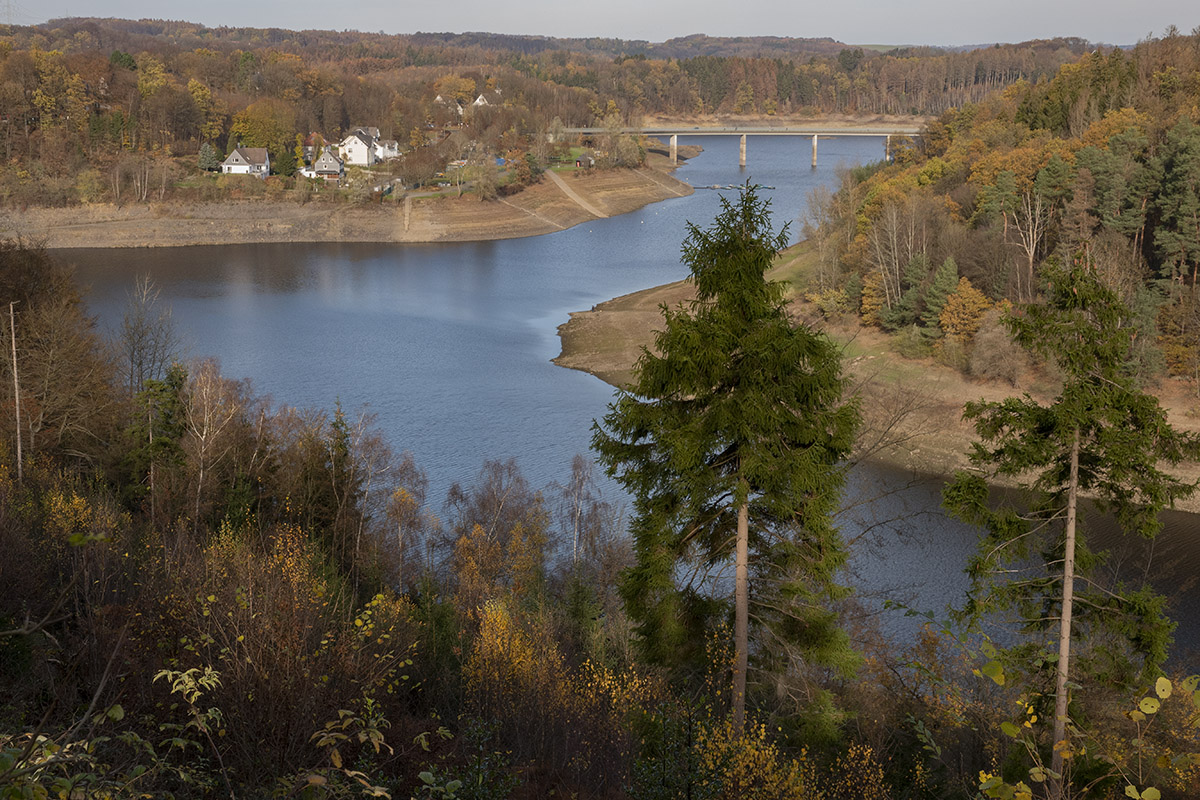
[106, 110]
[1102, 157]
[203, 593]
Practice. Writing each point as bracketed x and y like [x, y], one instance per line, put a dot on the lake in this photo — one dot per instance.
[449, 345]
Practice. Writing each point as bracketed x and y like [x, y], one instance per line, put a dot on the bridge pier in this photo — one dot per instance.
[814, 159]
[742, 152]
[887, 149]
[674, 148]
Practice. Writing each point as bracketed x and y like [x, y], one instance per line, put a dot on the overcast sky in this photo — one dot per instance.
[938, 22]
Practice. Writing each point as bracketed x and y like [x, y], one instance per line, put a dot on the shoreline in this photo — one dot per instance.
[556, 203]
[914, 419]
[545, 207]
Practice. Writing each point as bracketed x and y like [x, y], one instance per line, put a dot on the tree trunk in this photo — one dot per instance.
[12, 321]
[1064, 630]
[741, 617]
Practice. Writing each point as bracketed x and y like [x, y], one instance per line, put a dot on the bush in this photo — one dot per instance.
[90, 186]
[995, 355]
[689, 756]
[831, 304]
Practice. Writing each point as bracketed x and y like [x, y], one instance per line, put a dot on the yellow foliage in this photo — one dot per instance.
[858, 775]
[72, 517]
[933, 171]
[963, 313]
[1023, 162]
[896, 189]
[1114, 122]
[872, 298]
[750, 765]
[477, 566]
[504, 666]
[486, 570]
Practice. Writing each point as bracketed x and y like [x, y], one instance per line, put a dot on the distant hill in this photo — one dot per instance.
[188, 34]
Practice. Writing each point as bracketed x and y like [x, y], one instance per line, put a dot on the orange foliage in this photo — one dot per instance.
[963, 313]
[1114, 122]
[1023, 162]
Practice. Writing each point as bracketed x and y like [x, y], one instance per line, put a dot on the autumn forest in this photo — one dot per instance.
[204, 594]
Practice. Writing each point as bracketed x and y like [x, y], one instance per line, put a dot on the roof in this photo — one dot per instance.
[328, 162]
[248, 155]
[358, 134]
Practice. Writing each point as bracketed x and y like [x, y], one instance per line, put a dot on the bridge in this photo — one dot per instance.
[886, 132]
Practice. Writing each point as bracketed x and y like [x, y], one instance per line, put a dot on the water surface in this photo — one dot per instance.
[450, 346]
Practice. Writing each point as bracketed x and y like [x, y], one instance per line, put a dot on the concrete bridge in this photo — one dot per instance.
[886, 132]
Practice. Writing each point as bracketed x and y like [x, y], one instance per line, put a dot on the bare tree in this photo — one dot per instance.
[817, 225]
[406, 511]
[898, 235]
[149, 342]
[1030, 219]
[66, 375]
[212, 404]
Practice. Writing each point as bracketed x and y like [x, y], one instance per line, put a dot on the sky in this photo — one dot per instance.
[895, 22]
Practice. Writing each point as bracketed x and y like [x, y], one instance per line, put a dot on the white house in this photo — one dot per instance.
[450, 103]
[388, 149]
[359, 148]
[363, 147]
[489, 98]
[326, 166]
[247, 161]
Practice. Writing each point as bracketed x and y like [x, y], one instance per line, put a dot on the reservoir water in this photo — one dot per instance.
[449, 345]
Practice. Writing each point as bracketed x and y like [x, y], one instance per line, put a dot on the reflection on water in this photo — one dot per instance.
[449, 345]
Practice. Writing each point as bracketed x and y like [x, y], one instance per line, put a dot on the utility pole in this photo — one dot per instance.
[12, 322]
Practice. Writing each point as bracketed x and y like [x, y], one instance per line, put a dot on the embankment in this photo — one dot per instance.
[544, 208]
[911, 408]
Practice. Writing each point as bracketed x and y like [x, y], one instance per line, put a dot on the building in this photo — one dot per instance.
[358, 148]
[326, 166]
[248, 161]
[362, 147]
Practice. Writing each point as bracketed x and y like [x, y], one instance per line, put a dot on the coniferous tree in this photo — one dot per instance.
[945, 281]
[1101, 437]
[731, 442]
[907, 309]
[208, 159]
[1178, 237]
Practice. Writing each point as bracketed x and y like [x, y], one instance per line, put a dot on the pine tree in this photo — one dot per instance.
[1177, 239]
[1101, 437]
[945, 280]
[731, 441]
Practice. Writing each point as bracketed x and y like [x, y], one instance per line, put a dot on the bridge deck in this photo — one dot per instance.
[732, 130]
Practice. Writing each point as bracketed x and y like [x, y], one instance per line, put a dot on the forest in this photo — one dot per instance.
[205, 594]
[1102, 159]
[101, 110]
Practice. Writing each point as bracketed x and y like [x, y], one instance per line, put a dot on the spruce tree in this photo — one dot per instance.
[208, 159]
[945, 281]
[1177, 238]
[731, 441]
[908, 308]
[1101, 437]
